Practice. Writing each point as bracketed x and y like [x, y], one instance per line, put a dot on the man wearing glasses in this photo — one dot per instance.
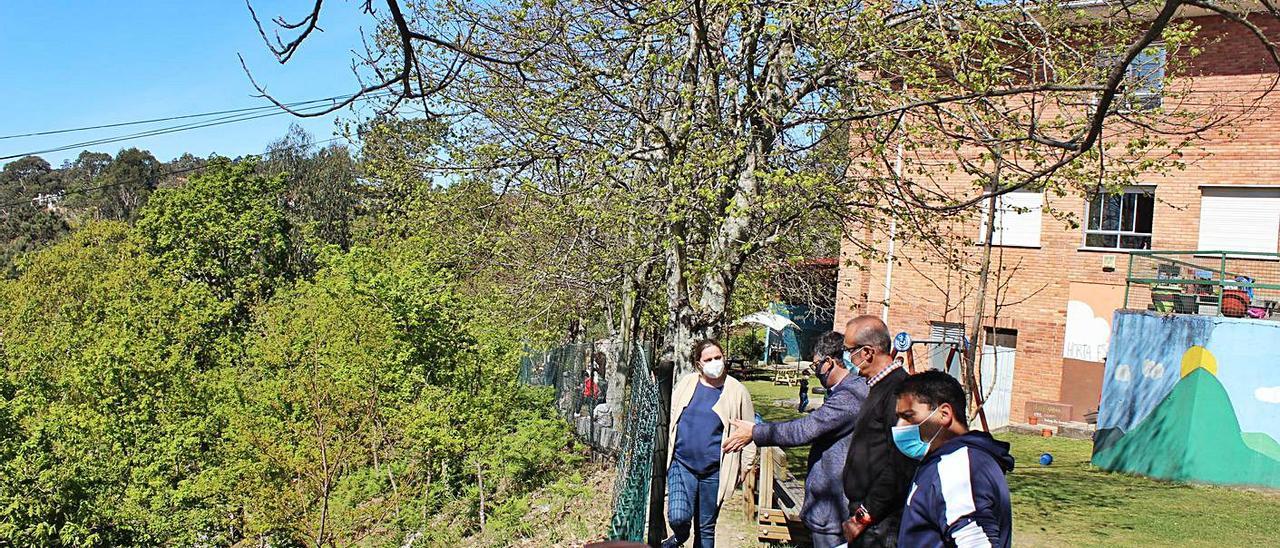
[877, 475]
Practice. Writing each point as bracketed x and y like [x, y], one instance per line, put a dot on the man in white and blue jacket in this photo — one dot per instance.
[827, 430]
[958, 496]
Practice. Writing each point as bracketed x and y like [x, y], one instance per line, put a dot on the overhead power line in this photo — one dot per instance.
[242, 115]
[172, 118]
[159, 175]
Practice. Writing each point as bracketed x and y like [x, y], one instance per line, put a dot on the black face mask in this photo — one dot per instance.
[822, 377]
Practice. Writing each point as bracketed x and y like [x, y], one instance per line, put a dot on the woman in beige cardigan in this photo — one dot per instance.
[700, 475]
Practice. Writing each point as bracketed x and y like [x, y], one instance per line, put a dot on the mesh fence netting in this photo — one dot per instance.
[608, 392]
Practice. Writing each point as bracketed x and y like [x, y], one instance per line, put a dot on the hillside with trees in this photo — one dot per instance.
[234, 351]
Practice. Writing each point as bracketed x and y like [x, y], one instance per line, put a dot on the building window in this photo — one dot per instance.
[1144, 79]
[1239, 219]
[1120, 221]
[1017, 220]
[1002, 337]
[1143, 84]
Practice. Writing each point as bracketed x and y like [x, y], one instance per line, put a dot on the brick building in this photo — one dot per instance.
[1052, 339]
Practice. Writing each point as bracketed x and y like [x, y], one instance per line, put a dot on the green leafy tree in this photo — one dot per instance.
[322, 192]
[30, 218]
[109, 428]
[700, 121]
[123, 186]
[367, 403]
[225, 229]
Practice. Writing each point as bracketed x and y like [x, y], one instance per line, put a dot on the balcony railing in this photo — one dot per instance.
[1236, 284]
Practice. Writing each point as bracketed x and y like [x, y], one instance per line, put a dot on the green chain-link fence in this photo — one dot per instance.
[608, 392]
[1210, 283]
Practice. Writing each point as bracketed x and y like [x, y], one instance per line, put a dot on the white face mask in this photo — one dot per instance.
[713, 369]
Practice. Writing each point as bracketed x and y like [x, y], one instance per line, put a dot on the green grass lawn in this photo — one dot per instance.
[1071, 503]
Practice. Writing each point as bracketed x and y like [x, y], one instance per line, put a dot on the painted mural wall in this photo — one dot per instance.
[1192, 398]
[1089, 308]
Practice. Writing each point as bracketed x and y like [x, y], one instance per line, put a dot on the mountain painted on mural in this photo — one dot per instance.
[1192, 435]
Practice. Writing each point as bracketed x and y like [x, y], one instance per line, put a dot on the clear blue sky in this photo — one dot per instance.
[81, 63]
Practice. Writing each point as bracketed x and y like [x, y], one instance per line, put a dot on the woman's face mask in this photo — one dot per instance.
[713, 369]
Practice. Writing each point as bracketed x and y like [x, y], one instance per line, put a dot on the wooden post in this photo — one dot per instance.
[663, 370]
[480, 481]
[766, 477]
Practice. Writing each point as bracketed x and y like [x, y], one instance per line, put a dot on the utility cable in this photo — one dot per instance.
[177, 117]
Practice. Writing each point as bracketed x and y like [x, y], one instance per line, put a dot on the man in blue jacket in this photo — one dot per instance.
[958, 496]
[829, 429]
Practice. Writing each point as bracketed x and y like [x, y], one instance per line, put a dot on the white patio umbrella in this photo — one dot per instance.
[767, 319]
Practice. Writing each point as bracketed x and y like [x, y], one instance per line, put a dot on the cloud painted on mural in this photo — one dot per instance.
[1142, 365]
[1152, 370]
[1268, 394]
[1086, 334]
[1124, 373]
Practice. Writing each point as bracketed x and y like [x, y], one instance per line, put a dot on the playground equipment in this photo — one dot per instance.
[902, 348]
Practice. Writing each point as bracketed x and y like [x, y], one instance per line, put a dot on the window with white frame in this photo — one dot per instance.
[1143, 85]
[1239, 219]
[1018, 220]
[1120, 221]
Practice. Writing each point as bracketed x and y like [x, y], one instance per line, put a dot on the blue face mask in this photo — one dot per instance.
[908, 440]
[848, 363]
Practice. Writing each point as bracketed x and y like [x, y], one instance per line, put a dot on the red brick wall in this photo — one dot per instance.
[1247, 154]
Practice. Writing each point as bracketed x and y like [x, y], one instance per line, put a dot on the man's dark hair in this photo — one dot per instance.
[829, 345]
[934, 388]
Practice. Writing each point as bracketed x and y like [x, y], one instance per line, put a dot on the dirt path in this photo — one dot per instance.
[734, 529]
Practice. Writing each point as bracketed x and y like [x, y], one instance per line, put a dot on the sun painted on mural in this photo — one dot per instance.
[1198, 357]
[1212, 418]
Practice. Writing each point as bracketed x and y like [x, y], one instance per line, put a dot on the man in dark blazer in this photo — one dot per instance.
[877, 475]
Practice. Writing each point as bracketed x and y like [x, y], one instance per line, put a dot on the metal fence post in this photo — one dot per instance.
[1222, 281]
[1127, 275]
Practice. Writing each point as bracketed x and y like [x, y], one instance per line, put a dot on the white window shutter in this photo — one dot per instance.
[1018, 220]
[1239, 219]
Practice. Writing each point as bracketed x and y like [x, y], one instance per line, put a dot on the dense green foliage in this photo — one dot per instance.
[226, 231]
[24, 224]
[184, 380]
